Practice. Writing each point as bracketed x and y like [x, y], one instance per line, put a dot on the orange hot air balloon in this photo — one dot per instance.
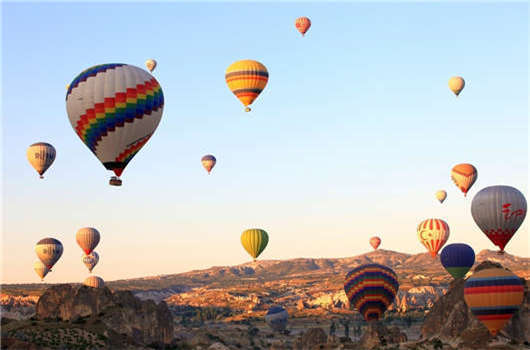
[433, 233]
[375, 242]
[464, 176]
[302, 24]
[246, 79]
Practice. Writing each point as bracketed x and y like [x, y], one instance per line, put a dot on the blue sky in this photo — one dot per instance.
[352, 136]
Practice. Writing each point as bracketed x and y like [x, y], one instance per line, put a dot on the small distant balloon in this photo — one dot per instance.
[433, 233]
[302, 24]
[276, 318]
[150, 64]
[375, 242]
[499, 211]
[41, 156]
[87, 238]
[464, 176]
[246, 79]
[90, 260]
[493, 297]
[41, 269]
[254, 241]
[456, 84]
[49, 250]
[94, 282]
[441, 196]
[457, 259]
[208, 162]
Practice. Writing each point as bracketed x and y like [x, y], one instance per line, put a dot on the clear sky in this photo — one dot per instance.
[351, 138]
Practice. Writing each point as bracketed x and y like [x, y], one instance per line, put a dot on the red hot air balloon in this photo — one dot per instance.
[375, 242]
[302, 24]
[433, 233]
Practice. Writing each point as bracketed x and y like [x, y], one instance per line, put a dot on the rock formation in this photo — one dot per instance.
[377, 335]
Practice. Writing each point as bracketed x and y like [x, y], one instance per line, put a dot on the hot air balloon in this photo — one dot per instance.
[114, 109]
[493, 296]
[150, 64]
[254, 241]
[441, 195]
[49, 250]
[302, 24]
[499, 211]
[208, 162]
[456, 84]
[41, 269]
[276, 318]
[371, 288]
[94, 282]
[457, 259]
[41, 156]
[246, 79]
[375, 242]
[91, 260]
[433, 233]
[464, 176]
[87, 238]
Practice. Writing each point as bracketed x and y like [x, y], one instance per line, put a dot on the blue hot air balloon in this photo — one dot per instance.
[457, 259]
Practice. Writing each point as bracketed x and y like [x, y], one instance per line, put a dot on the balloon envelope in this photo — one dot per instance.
[90, 260]
[41, 269]
[41, 156]
[493, 296]
[276, 318]
[208, 162]
[150, 64]
[441, 195]
[94, 282]
[371, 288]
[457, 259]
[433, 233]
[87, 238]
[456, 84]
[302, 24]
[375, 242]
[246, 79]
[499, 211]
[254, 241]
[114, 109]
[464, 176]
[49, 250]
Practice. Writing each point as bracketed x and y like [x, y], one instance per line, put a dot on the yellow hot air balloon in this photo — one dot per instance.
[41, 156]
[441, 195]
[150, 64]
[94, 282]
[41, 269]
[456, 84]
[246, 79]
[433, 233]
[254, 241]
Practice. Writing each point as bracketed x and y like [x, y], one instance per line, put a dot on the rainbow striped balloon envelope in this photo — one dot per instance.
[493, 296]
[371, 288]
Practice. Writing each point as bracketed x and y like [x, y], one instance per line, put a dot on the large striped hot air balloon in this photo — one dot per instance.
[254, 241]
[94, 282]
[49, 250]
[464, 176]
[87, 238]
[493, 296]
[114, 109]
[302, 24]
[40, 269]
[371, 289]
[90, 260]
[499, 211]
[208, 162]
[375, 242]
[441, 196]
[246, 79]
[276, 318]
[456, 84]
[457, 259]
[41, 156]
[433, 233]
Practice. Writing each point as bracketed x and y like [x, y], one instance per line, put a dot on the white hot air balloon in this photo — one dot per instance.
[94, 282]
[87, 238]
[49, 250]
[91, 260]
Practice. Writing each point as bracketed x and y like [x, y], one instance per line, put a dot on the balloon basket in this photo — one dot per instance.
[114, 181]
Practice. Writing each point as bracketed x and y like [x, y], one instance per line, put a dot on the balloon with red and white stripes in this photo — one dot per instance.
[302, 24]
[433, 233]
[87, 238]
